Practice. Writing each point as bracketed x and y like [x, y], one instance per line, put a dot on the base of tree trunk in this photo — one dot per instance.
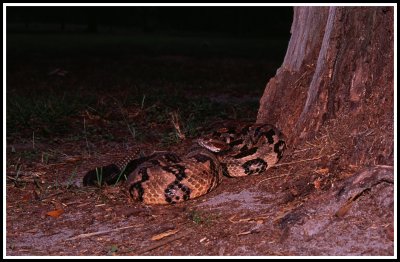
[337, 82]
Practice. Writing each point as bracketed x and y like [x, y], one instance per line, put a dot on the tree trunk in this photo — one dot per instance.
[337, 80]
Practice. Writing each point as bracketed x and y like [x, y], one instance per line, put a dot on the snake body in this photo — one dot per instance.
[166, 178]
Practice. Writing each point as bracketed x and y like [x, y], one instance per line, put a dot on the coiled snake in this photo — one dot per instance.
[166, 178]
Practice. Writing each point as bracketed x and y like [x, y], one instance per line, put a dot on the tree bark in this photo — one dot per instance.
[337, 75]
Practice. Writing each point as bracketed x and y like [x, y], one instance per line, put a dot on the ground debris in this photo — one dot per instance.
[164, 234]
[99, 233]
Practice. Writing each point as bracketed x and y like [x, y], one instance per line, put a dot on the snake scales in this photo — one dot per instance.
[166, 178]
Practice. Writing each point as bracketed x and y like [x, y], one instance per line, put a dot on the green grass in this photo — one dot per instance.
[112, 249]
[201, 217]
[18, 170]
[51, 115]
[70, 181]
[99, 176]
[47, 111]
[155, 74]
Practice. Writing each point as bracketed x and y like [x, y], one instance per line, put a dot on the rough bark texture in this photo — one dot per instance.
[337, 80]
[333, 97]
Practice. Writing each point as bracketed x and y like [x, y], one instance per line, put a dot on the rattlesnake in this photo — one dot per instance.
[166, 178]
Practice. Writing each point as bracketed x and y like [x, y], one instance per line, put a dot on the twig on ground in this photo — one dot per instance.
[273, 177]
[384, 166]
[163, 242]
[175, 122]
[84, 130]
[298, 161]
[98, 233]
[301, 150]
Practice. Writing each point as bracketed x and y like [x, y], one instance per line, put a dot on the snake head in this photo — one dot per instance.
[212, 144]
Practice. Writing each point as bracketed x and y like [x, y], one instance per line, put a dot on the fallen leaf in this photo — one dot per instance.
[164, 234]
[317, 184]
[322, 171]
[55, 213]
[27, 197]
[73, 159]
[343, 210]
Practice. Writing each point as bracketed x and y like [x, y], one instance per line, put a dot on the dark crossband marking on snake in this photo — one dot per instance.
[234, 150]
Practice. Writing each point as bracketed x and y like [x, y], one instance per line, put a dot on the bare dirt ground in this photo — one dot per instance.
[314, 202]
[298, 208]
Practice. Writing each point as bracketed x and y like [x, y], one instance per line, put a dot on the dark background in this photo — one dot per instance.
[234, 21]
[207, 63]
